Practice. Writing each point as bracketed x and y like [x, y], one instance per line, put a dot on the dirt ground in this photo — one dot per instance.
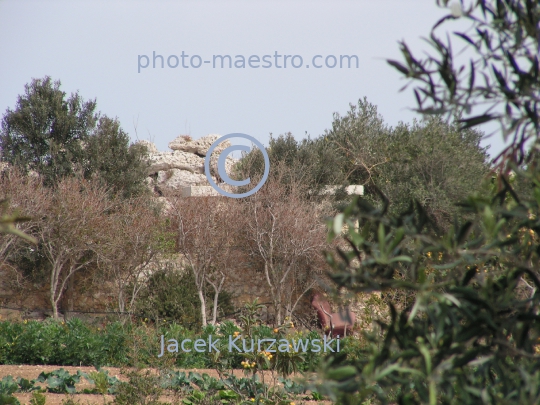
[31, 372]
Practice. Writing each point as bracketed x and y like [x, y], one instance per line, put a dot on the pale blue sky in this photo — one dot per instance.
[93, 47]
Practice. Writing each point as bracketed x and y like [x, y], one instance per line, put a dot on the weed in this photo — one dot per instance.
[143, 388]
[70, 400]
[38, 399]
[104, 384]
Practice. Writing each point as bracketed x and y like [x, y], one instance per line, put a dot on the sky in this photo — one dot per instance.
[98, 48]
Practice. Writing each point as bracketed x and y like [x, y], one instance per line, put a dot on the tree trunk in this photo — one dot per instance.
[55, 310]
[278, 309]
[203, 307]
[69, 297]
[217, 286]
[52, 291]
[275, 298]
[214, 309]
[121, 300]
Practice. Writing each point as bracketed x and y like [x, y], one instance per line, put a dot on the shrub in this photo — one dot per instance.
[172, 296]
[143, 388]
[71, 343]
[75, 343]
[57, 137]
[38, 399]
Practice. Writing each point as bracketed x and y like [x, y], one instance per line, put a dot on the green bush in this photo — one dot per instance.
[471, 332]
[172, 296]
[58, 136]
[38, 399]
[70, 343]
[75, 343]
[60, 381]
[143, 388]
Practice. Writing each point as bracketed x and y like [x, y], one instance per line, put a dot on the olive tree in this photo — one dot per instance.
[470, 333]
[431, 160]
[54, 135]
[46, 130]
[499, 83]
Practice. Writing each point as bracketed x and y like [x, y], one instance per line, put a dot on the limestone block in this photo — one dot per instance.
[149, 145]
[175, 160]
[199, 146]
[176, 179]
[199, 191]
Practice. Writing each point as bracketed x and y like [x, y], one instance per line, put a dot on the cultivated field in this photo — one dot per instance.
[31, 372]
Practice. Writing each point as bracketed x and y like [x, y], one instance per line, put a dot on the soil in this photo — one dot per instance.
[31, 372]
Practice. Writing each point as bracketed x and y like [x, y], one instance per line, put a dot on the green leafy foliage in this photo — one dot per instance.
[26, 385]
[146, 386]
[143, 388]
[114, 161]
[57, 136]
[176, 380]
[498, 81]
[8, 400]
[38, 399]
[115, 344]
[196, 397]
[431, 161]
[292, 387]
[104, 383]
[44, 132]
[469, 331]
[470, 334]
[61, 381]
[316, 165]
[72, 343]
[172, 296]
[8, 386]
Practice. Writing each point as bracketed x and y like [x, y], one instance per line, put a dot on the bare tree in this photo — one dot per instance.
[79, 225]
[204, 235]
[20, 195]
[131, 245]
[72, 230]
[286, 234]
[227, 259]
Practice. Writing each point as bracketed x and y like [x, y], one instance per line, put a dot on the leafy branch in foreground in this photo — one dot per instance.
[470, 333]
[499, 82]
[8, 222]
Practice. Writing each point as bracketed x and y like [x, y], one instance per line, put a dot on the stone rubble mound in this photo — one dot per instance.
[184, 143]
[184, 166]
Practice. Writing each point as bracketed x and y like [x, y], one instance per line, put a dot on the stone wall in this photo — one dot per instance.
[31, 300]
